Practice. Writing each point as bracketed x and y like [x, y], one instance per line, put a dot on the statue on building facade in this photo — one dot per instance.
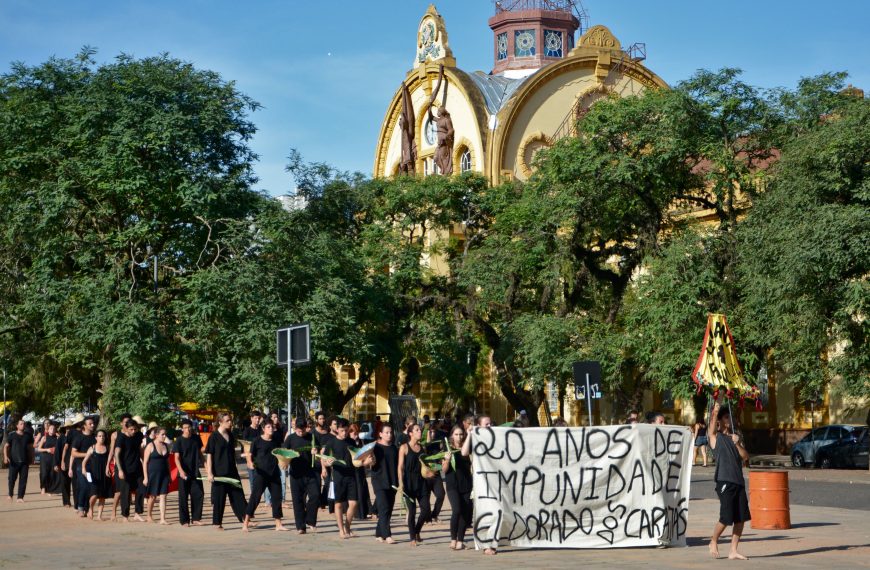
[444, 128]
[408, 163]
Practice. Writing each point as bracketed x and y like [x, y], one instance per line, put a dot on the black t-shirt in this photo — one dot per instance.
[82, 444]
[385, 474]
[58, 451]
[250, 434]
[20, 447]
[71, 438]
[188, 450]
[321, 439]
[131, 452]
[261, 454]
[339, 449]
[301, 466]
[280, 433]
[223, 454]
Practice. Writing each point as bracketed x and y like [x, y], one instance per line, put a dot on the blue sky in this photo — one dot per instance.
[325, 71]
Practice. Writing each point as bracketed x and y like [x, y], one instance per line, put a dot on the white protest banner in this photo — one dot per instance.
[588, 487]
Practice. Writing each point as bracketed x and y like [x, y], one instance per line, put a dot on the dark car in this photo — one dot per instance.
[852, 451]
[803, 453]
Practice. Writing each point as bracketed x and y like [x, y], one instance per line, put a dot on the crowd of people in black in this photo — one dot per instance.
[329, 469]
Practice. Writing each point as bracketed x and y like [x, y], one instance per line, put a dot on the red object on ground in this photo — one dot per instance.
[768, 500]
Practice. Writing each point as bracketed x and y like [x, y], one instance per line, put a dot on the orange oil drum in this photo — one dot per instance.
[768, 500]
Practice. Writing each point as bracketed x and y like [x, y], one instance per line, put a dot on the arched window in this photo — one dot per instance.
[465, 161]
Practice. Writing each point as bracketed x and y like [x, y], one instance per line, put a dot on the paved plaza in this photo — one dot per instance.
[42, 534]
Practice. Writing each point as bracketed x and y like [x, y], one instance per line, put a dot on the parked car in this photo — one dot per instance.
[849, 452]
[803, 453]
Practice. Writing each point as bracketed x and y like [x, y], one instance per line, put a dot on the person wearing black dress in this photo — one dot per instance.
[187, 450]
[304, 479]
[94, 469]
[363, 500]
[220, 461]
[385, 476]
[18, 455]
[59, 465]
[458, 487]
[47, 448]
[156, 467]
[266, 476]
[413, 484]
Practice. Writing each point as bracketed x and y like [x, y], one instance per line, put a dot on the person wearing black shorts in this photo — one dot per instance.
[729, 453]
[343, 477]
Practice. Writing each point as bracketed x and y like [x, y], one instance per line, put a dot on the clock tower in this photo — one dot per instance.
[529, 34]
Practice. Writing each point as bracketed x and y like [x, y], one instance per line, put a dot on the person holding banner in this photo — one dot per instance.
[457, 473]
[465, 451]
[413, 484]
[729, 454]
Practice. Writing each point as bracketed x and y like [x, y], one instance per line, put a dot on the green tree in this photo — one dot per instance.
[105, 170]
[805, 254]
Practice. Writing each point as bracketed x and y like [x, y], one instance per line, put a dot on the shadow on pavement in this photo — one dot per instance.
[843, 547]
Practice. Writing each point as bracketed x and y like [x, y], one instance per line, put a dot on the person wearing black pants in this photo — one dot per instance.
[435, 486]
[220, 461]
[60, 463]
[18, 454]
[413, 483]
[79, 450]
[266, 476]
[128, 468]
[187, 458]
[385, 476]
[304, 480]
[458, 488]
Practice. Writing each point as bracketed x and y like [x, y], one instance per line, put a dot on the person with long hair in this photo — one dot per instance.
[116, 436]
[48, 475]
[363, 500]
[385, 477]
[59, 465]
[156, 467]
[338, 456]
[413, 484]
[483, 422]
[94, 469]
[458, 481]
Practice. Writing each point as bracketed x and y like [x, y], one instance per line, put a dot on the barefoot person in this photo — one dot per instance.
[128, 468]
[155, 463]
[113, 443]
[413, 484]
[482, 422]
[94, 468]
[385, 479]
[343, 477]
[304, 479]
[80, 447]
[18, 455]
[729, 454]
[188, 459]
[458, 487]
[47, 447]
[267, 475]
[220, 461]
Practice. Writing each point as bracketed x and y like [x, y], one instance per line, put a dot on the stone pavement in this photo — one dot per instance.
[40, 533]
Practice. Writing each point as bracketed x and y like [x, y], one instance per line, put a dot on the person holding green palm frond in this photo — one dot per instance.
[457, 471]
[304, 479]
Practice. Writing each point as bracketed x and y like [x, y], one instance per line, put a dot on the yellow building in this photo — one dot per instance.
[541, 82]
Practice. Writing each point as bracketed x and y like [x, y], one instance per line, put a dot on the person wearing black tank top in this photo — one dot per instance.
[729, 453]
[457, 471]
[413, 485]
[156, 467]
[94, 469]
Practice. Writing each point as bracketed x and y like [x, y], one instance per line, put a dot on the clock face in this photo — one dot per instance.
[431, 132]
